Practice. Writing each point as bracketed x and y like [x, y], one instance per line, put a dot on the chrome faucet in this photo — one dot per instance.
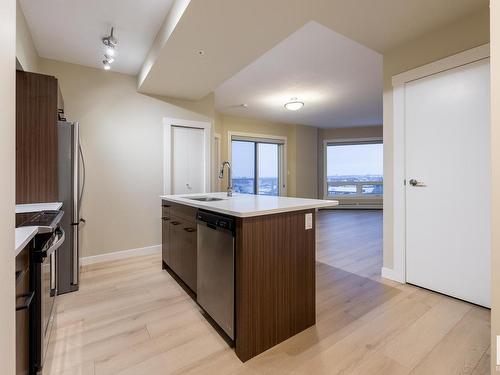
[229, 181]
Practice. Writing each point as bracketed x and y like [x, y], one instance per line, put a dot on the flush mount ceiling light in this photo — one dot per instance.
[294, 105]
[110, 44]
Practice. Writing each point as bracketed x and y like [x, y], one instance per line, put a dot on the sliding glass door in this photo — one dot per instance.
[268, 169]
[257, 166]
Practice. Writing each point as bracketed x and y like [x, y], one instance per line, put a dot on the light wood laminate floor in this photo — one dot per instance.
[129, 317]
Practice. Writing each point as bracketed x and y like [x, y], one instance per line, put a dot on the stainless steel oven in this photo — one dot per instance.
[43, 278]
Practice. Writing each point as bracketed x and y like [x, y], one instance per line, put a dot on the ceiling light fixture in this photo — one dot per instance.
[108, 58]
[294, 105]
[110, 43]
[110, 51]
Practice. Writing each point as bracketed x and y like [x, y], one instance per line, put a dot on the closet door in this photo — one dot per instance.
[447, 117]
[188, 162]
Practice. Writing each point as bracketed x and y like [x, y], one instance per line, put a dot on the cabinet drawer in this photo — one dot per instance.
[184, 212]
[165, 208]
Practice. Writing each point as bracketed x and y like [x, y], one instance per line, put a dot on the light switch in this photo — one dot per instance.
[309, 221]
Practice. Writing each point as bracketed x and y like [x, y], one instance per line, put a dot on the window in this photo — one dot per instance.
[257, 165]
[354, 169]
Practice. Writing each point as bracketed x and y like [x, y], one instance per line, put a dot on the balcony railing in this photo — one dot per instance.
[355, 189]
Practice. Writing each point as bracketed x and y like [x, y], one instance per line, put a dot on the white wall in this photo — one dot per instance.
[121, 132]
[7, 185]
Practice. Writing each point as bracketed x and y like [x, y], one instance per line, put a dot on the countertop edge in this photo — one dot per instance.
[37, 207]
[26, 234]
[272, 211]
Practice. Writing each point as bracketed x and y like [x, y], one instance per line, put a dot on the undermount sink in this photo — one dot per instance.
[205, 199]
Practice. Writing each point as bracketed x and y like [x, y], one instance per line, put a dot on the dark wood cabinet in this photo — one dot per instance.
[24, 296]
[165, 234]
[187, 253]
[179, 242]
[36, 138]
[274, 273]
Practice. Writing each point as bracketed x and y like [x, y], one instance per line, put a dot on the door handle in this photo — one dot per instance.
[174, 223]
[165, 218]
[190, 230]
[417, 183]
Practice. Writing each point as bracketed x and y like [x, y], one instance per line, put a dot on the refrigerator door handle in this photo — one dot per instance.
[82, 188]
[76, 203]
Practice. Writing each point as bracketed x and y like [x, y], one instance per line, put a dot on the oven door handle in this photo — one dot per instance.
[58, 243]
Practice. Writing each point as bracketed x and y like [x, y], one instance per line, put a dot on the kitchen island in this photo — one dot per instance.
[270, 276]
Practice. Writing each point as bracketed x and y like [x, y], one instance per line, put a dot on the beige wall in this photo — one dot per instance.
[459, 36]
[495, 162]
[7, 195]
[121, 134]
[301, 149]
[341, 133]
[25, 49]
[306, 173]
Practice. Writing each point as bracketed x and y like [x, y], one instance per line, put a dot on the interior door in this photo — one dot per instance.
[188, 160]
[448, 182]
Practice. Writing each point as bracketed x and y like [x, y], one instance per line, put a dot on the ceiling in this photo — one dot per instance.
[340, 82]
[234, 33]
[71, 31]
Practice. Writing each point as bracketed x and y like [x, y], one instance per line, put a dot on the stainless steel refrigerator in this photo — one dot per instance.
[71, 186]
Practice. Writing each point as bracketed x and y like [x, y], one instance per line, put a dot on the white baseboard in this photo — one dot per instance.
[389, 273]
[120, 255]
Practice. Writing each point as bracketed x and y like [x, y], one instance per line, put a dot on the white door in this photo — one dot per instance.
[188, 160]
[447, 124]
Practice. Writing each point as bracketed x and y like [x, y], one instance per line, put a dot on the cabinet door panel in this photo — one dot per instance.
[175, 245]
[189, 254]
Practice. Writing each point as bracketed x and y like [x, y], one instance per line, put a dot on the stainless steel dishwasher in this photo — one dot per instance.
[215, 279]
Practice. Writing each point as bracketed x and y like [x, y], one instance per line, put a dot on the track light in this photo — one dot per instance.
[110, 51]
[110, 43]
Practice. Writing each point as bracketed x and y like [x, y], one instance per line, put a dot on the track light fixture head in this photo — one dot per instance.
[110, 41]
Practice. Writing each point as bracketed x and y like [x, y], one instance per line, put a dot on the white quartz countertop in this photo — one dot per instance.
[38, 207]
[245, 205]
[23, 236]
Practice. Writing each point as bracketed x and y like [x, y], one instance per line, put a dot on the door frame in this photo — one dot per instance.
[217, 161]
[168, 123]
[398, 272]
[282, 160]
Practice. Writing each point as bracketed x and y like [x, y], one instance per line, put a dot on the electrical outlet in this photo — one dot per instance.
[309, 221]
